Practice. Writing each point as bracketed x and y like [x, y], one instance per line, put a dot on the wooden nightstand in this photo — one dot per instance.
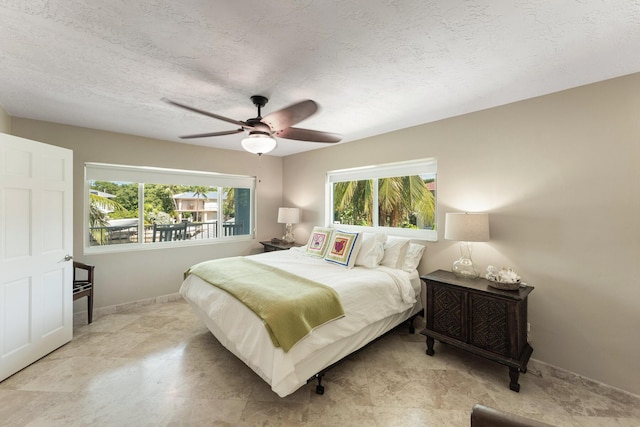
[270, 246]
[473, 316]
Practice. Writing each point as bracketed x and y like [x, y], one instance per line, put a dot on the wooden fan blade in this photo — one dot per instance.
[288, 116]
[205, 135]
[206, 113]
[308, 135]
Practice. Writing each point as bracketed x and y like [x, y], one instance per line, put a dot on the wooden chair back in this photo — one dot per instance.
[169, 232]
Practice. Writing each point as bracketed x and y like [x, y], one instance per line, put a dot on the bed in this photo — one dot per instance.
[376, 296]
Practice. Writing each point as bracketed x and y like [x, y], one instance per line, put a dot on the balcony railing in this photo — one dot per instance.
[115, 235]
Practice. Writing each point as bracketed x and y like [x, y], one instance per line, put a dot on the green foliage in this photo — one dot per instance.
[126, 194]
[160, 218]
[403, 202]
[159, 198]
[229, 203]
[353, 202]
[98, 217]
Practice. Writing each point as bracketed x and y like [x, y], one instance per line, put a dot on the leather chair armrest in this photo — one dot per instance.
[483, 416]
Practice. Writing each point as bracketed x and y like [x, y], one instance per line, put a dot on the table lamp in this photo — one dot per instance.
[288, 216]
[466, 228]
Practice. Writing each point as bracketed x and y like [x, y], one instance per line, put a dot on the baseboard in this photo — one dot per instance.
[542, 369]
[81, 316]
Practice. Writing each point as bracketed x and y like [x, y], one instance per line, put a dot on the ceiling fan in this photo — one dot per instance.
[261, 130]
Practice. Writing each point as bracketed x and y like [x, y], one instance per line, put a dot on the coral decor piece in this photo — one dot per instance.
[505, 278]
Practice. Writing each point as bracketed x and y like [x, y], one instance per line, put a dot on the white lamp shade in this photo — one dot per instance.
[467, 227]
[289, 215]
[258, 144]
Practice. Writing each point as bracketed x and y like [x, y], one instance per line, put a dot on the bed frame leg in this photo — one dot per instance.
[319, 387]
[412, 328]
[319, 375]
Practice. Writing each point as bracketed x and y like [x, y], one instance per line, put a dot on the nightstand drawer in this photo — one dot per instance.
[489, 326]
[448, 312]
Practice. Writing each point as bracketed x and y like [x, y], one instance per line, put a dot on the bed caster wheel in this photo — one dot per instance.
[319, 389]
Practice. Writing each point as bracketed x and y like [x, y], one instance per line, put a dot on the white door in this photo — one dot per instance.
[35, 236]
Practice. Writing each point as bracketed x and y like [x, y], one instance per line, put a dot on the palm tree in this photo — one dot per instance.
[228, 203]
[98, 218]
[398, 199]
[354, 199]
[403, 196]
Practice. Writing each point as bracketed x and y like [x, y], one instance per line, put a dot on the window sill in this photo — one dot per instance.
[135, 247]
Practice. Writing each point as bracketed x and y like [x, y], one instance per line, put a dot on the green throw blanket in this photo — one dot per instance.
[290, 306]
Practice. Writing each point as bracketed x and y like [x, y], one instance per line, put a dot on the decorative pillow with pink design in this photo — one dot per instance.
[319, 242]
[344, 248]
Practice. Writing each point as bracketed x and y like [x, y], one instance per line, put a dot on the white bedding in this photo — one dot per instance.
[374, 301]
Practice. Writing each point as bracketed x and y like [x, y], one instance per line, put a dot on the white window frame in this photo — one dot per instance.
[375, 172]
[155, 175]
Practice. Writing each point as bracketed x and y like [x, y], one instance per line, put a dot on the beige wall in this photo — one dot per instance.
[559, 175]
[136, 275]
[5, 121]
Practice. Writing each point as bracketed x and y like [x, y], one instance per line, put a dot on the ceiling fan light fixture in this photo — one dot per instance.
[258, 143]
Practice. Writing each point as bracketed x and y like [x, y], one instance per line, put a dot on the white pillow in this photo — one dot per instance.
[412, 257]
[371, 250]
[394, 251]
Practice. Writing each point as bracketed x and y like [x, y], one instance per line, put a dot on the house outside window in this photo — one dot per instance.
[199, 206]
[129, 208]
[397, 198]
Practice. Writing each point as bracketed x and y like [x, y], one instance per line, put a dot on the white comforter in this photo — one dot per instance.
[367, 295]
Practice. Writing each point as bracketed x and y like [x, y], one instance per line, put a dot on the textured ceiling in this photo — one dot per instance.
[373, 66]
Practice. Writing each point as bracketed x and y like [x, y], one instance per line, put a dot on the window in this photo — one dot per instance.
[129, 207]
[399, 198]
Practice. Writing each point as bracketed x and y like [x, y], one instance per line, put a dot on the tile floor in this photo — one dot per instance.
[157, 365]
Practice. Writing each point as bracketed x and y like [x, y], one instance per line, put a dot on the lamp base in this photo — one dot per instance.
[288, 235]
[464, 267]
